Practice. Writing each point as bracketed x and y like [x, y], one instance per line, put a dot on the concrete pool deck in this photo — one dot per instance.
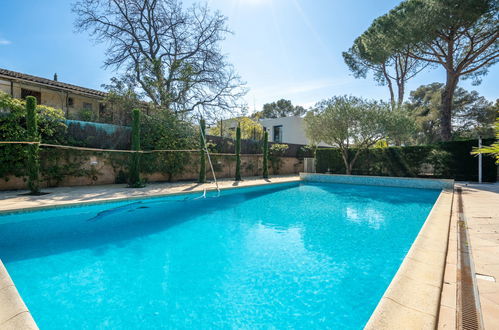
[12, 200]
[481, 209]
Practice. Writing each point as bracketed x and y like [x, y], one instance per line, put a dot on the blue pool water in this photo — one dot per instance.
[298, 255]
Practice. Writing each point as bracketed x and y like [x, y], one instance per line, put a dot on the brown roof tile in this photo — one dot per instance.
[49, 82]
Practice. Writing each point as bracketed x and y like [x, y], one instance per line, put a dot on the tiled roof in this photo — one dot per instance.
[51, 83]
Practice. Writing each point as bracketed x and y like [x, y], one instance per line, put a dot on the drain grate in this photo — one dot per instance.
[468, 308]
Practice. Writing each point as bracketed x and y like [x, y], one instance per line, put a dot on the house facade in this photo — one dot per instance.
[287, 130]
[76, 102]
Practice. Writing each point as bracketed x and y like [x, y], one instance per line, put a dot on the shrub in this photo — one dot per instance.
[13, 127]
[451, 160]
[86, 115]
[276, 152]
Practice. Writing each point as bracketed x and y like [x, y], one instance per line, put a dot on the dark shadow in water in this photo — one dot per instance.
[73, 231]
[65, 233]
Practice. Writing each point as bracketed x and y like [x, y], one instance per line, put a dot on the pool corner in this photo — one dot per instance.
[14, 314]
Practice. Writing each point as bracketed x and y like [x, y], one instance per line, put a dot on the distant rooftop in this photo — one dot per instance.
[12, 75]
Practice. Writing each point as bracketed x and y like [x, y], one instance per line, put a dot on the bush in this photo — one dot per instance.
[450, 160]
[166, 132]
[13, 127]
[276, 152]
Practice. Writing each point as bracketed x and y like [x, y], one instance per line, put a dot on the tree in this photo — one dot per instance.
[250, 129]
[33, 149]
[265, 155]
[121, 99]
[134, 179]
[346, 122]
[458, 35]
[172, 55]
[472, 114]
[400, 126]
[164, 131]
[202, 147]
[281, 108]
[238, 153]
[394, 72]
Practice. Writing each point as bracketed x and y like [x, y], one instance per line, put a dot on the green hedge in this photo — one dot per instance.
[450, 160]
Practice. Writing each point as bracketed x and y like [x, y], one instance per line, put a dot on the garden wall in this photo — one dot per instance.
[87, 168]
[446, 160]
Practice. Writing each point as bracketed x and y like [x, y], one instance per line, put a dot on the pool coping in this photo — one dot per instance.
[210, 187]
[13, 312]
[412, 300]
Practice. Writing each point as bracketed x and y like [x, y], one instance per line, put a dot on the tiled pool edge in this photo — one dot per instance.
[13, 312]
[378, 180]
[413, 298]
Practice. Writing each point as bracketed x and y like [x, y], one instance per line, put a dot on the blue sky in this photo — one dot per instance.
[282, 48]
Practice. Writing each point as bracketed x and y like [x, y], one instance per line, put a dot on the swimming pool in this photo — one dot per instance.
[297, 254]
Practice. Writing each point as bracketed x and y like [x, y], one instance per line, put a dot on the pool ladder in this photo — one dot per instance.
[211, 167]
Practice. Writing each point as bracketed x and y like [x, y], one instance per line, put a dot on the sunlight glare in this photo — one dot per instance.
[254, 2]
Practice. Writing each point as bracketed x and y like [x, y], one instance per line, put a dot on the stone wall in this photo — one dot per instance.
[224, 166]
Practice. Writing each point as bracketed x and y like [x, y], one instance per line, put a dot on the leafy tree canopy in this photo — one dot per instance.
[459, 35]
[473, 114]
[278, 109]
[347, 121]
[250, 129]
[170, 55]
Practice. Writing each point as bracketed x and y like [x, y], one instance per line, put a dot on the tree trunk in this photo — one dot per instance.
[390, 86]
[446, 107]
[401, 91]
[344, 155]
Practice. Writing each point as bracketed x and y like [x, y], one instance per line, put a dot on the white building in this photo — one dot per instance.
[287, 130]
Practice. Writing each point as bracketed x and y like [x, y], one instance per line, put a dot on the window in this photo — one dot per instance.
[71, 102]
[26, 92]
[278, 134]
[102, 109]
[87, 106]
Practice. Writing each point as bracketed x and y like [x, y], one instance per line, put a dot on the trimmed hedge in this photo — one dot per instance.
[449, 160]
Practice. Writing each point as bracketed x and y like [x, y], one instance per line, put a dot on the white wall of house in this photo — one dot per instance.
[292, 130]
